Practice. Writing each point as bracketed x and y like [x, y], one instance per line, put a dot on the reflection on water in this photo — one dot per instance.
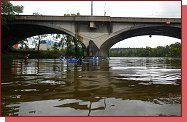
[113, 87]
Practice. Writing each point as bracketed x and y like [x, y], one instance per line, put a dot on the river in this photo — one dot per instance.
[119, 86]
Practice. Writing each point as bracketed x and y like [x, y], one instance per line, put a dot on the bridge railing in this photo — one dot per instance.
[96, 18]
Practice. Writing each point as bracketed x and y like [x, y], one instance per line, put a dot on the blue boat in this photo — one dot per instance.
[72, 60]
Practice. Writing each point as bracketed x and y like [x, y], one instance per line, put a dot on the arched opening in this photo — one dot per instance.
[146, 41]
[147, 46]
[159, 30]
[18, 32]
[60, 44]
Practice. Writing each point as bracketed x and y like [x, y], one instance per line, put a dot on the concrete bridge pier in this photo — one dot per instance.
[92, 49]
[93, 46]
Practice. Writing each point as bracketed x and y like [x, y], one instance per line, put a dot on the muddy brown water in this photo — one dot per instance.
[119, 86]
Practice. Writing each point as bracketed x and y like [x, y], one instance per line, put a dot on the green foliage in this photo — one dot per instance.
[18, 9]
[39, 38]
[55, 46]
[173, 50]
[74, 46]
[9, 9]
[24, 44]
[78, 14]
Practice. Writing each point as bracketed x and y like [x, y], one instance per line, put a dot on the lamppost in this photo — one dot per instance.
[91, 8]
[92, 24]
[104, 10]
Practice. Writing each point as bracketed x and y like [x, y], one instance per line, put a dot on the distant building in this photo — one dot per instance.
[46, 45]
[49, 45]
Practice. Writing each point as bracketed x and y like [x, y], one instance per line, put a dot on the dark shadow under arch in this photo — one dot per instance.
[18, 32]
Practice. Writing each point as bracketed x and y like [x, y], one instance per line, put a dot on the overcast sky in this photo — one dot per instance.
[168, 9]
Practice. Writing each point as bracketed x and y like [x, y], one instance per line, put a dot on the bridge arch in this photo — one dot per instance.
[20, 31]
[170, 31]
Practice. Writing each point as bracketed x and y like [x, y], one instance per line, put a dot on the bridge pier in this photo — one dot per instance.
[92, 49]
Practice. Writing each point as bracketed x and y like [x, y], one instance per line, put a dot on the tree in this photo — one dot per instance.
[73, 45]
[55, 46]
[39, 38]
[18, 9]
[24, 44]
[173, 50]
[8, 12]
[9, 9]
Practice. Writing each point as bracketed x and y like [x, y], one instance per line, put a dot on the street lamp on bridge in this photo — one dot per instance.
[91, 8]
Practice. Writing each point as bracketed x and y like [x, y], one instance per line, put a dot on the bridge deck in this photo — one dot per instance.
[96, 19]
